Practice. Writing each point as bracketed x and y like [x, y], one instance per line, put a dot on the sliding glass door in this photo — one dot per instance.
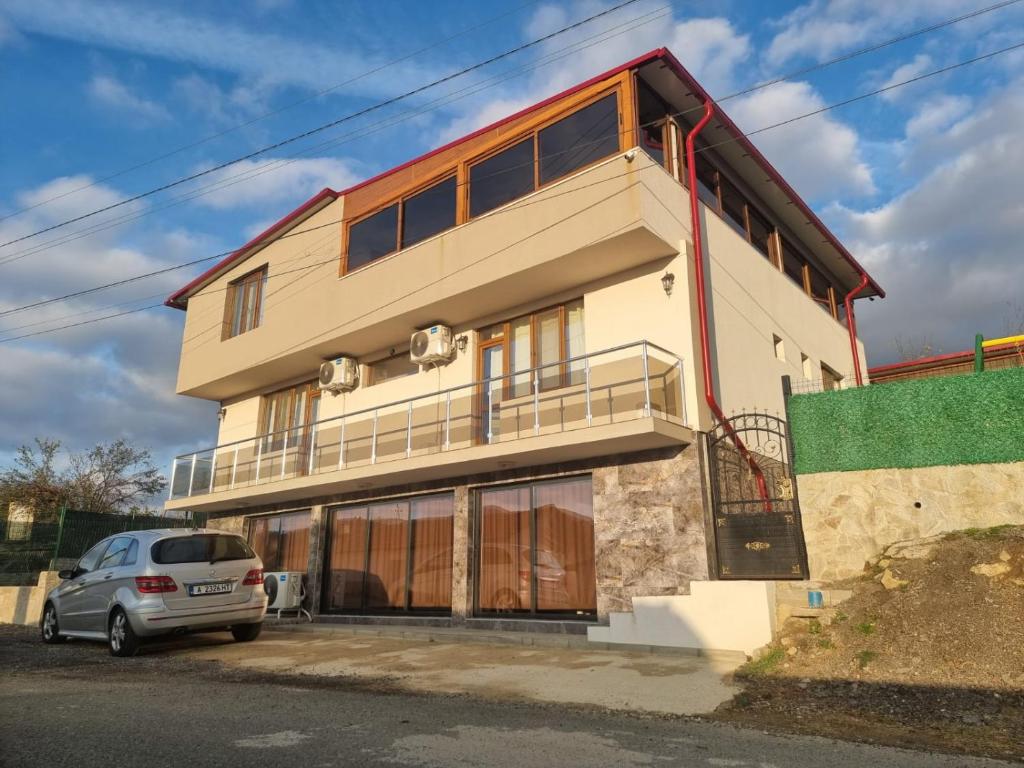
[535, 553]
[388, 557]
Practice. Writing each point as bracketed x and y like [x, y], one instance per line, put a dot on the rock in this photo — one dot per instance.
[1004, 556]
[792, 651]
[892, 582]
[785, 641]
[914, 549]
[992, 570]
[885, 562]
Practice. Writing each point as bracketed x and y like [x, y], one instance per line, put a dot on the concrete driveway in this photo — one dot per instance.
[631, 681]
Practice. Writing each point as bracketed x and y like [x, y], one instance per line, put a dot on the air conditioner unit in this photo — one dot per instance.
[284, 591]
[431, 345]
[339, 375]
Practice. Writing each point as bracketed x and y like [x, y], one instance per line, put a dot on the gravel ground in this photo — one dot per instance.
[74, 705]
[928, 653]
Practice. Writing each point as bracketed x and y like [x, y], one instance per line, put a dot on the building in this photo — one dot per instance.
[996, 355]
[558, 461]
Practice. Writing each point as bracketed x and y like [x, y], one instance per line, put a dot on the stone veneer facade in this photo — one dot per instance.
[649, 526]
[850, 517]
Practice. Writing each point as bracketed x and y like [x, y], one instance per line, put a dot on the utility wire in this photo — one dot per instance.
[344, 138]
[703, 149]
[274, 165]
[351, 116]
[273, 112]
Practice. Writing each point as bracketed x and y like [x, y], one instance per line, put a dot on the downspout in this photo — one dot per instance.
[851, 326]
[702, 305]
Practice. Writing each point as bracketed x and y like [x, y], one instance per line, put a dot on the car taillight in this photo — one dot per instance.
[148, 585]
[253, 577]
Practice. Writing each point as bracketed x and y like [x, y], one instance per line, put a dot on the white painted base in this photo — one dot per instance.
[716, 615]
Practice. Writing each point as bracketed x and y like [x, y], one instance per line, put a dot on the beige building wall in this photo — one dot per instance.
[751, 302]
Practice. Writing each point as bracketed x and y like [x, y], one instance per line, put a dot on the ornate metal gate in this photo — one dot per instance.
[755, 538]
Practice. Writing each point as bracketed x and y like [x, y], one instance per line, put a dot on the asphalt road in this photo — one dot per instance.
[73, 705]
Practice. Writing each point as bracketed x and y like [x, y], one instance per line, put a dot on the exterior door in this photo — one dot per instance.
[492, 370]
[99, 594]
[307, 460]
[73, 593]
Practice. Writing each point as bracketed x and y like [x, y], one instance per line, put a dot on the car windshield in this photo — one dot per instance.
[209, 548]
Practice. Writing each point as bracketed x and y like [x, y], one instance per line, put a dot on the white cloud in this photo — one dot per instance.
[920, 64]
[948, 250]
[110, 92]
[710, 48]
[230, 106]
[822, 28]
[829, 162]
[255, 54]
[269, 182]
[104, 380]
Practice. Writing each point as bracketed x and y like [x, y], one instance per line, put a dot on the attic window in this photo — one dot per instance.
[244, 307]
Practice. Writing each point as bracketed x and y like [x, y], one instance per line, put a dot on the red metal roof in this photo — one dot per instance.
[935, 361]
[179, 298]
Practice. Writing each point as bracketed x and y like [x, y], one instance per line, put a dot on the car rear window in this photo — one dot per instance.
[200, 549]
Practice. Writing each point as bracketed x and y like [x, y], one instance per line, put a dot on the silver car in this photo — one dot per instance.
[146, 583]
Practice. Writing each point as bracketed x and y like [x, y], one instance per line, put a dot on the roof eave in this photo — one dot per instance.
[179, 299]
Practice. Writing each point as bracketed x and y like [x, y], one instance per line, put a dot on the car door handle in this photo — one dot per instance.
[108, 576]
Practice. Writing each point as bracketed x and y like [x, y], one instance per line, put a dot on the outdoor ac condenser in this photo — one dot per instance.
[285, 592]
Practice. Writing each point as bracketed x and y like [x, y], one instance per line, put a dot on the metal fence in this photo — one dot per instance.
[627, 382]
[54, 540]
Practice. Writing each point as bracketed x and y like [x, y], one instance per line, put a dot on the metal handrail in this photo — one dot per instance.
[439, 393]
[268, 445]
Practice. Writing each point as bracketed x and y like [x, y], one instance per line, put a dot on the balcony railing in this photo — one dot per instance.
[632, 381]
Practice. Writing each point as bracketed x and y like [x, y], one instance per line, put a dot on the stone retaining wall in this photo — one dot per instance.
[850, 517]
[24, 605]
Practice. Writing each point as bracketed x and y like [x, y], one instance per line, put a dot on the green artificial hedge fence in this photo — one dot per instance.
[975, 418]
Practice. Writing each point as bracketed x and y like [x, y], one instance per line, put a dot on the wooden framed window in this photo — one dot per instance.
[567, 144]
[585, 136]
[830, 380]
[502, 177]
[372, 238]
[653, 121]
[821, 290]
[428, 212]
[288, 412]
[244, 306]
[547, 338]
[394, 367]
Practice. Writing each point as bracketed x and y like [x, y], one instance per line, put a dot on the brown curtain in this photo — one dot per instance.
[281, 541]
[347, 559]
[430, 585]
[293, 550]
[385, 574]
[504, 574]
[261, 541]
[566, 576]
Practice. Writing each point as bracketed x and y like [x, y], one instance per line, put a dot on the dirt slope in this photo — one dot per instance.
[928, 652]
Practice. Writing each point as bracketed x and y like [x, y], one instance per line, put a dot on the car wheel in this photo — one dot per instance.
[49, 626]
[245, 633]
[122, 638]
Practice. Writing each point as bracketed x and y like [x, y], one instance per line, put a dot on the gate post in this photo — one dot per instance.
[60, 535]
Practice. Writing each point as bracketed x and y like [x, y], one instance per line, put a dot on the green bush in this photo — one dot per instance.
[973, 418]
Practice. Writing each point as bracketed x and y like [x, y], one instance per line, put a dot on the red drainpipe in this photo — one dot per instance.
[851, 326]
[705, 346]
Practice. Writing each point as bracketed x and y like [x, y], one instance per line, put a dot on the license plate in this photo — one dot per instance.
[209, 589]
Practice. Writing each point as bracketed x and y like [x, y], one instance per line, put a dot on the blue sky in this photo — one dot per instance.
[923, 183]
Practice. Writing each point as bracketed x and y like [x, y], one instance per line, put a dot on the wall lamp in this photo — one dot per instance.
[461, 342]
[667, 281]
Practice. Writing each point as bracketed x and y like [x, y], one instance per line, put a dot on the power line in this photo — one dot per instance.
[273, 112]
[274, 165]
[574, 148]
[325, 126]
[344, 138]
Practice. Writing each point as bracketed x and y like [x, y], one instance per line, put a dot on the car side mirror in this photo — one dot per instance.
[65, 575]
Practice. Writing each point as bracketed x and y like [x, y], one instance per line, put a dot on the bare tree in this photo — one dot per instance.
[113, 477]
[914, 349]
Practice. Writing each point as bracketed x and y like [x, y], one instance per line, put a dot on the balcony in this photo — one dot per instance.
[623, 399]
